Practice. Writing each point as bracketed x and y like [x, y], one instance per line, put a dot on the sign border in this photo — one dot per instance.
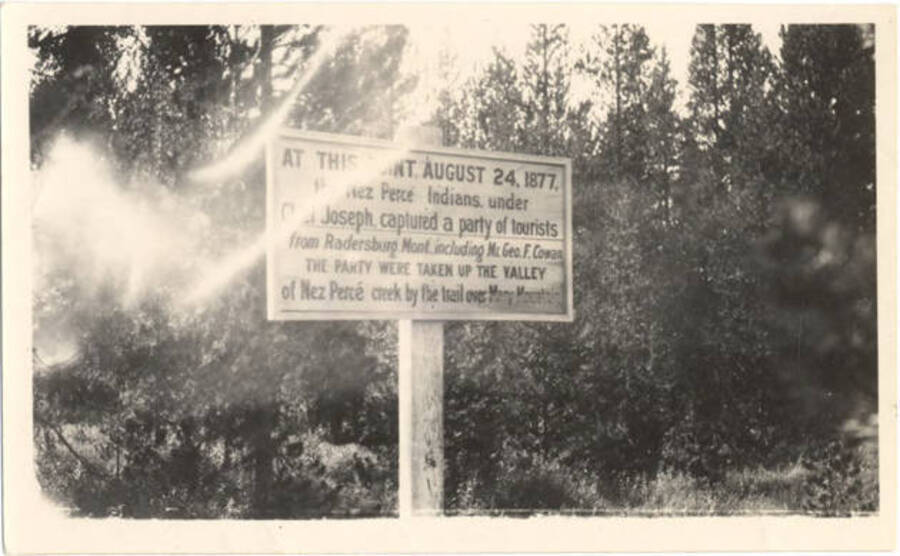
[361, 141]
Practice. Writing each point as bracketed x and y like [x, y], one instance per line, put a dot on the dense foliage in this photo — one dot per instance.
[210, 410]
[724, 271]
[724, 281]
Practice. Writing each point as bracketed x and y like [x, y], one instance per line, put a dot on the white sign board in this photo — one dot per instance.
[367, 229]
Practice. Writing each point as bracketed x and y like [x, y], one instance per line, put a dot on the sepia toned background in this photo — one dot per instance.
[724, 354]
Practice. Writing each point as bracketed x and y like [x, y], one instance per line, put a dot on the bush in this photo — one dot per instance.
[529, 484]
[842, 479]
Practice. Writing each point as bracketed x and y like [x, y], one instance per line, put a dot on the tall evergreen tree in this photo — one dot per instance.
[720, 210]
[662, 128]
[622, 78]
[496, 106]
[545, 75]
[730, 75]
[820, 259]
[826, 97]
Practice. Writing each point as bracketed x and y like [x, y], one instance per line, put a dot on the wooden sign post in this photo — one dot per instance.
[420, 393]
[368, 229]
[420, 356]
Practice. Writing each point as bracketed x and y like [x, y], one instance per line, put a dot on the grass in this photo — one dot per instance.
[827, 486]
[755, 491]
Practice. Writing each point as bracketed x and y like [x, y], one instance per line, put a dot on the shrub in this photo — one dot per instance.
[530, 483]
[842, 479]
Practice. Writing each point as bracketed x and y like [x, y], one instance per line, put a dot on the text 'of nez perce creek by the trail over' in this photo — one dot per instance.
[362, 229]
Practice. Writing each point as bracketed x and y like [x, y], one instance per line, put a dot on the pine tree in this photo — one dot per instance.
[622, 80]
[545, 85]
[820, 258]
[826, 96]
[496, 106]
[661, 126]
[730, 76]
[721, 206]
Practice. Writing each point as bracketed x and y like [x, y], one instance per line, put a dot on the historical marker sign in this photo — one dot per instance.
[365, 229]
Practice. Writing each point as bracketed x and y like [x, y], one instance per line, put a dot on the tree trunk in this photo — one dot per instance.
[716, 100]
[618, 120]
[263, 76]
[544, 88]
[263, 419]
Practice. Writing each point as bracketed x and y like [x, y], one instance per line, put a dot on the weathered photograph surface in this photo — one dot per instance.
[722, 358]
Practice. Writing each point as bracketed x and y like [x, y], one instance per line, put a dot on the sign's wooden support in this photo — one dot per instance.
[420, 358]
[420, 350]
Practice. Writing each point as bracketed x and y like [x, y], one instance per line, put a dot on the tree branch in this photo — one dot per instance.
[89, 465]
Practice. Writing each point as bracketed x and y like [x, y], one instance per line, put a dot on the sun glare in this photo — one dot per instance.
[88, 226]
[221, 273]
[250, 147]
